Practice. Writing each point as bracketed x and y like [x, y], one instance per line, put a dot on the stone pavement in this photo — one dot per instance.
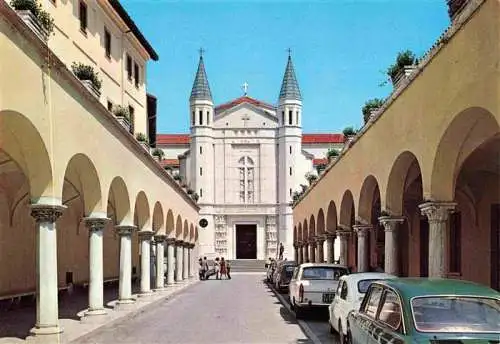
[15, 324]
[240, 310]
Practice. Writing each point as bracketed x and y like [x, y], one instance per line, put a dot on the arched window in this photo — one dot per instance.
[246, 168]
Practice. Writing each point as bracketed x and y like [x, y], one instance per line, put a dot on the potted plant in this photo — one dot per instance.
[332, 153]
[370, 108]
[88, 77]
[177, 177]
[158, 153]
[168, 169]
[143, 140]
[320, 168]
[35, 17]
[190, 191]
[122, 115]
[404, 65]
[195, 196]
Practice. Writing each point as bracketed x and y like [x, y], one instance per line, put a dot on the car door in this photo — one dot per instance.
[344, 305]
[388, 326]
[363, 323]
[335, 313]
[292, 289]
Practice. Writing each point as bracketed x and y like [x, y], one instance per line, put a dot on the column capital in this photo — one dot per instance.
[95, 224]
[320, 239]
[46, 212]
[160, 238]
[124, 230]
[146, 234]
[362, 230]
[436, 211]
[186, 244]
[391, 223]
[170, 241]
[343, 233]
[191, 245]
[329, 235]
[179, 242]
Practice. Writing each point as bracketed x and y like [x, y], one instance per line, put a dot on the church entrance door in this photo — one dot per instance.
[246, 241]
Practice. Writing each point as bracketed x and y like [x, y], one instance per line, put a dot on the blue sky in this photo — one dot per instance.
[340, 50]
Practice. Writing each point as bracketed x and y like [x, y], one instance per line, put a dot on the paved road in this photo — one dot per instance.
[241, 310]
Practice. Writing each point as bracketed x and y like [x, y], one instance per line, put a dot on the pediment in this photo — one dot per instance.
[246, 115]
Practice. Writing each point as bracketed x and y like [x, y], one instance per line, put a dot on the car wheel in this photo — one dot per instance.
[299, 312]
[341, 334]
[332, 330]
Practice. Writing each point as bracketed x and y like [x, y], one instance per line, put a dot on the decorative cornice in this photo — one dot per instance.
[437, 212]
[391, 223]
[96, 224]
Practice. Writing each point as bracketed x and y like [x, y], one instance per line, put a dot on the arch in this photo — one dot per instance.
[347, 211]
[158, 219]
[305, 232]
[331, 218]
[397, 181]
[191, 233]
[185, 232]
[467, 131]
[22, 142]
[312, 227]
[178, 228]
[299, 232]
[82, 176]
[119, 201]
[320, 224]
[368, 194]
[169, 224]
[141, 212]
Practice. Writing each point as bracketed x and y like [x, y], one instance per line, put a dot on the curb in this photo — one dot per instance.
[136, 312]
[303, 325]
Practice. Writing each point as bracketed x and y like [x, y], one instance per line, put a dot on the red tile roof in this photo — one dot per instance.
[172, 139]
[241, 100]
[183, 139]
[169, 162]
[322, 161]
[322, 138]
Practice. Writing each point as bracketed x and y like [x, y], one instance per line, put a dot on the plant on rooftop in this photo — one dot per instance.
[455, 6]
[349, 132]
[371, 105]
[159, 153]
[332, 153]
[189, 191]
[404, 59]
[46, 21]
[320, 168]
[141, 137]
[122, 111]
[195, 196]
[311, 177]
[86, 72]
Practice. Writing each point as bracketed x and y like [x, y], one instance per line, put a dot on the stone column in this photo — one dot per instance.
[170, 261]
[178, 261]
[330, 252]
[343, 235]
[296, 252]
[305, 252]
[300, 250]
[125, 283]
[437, 213]
[96, 276]
[145, 240]
[47, 313]
[391, 224]
[320, 257]
[363, 246]
[312, 249]
[160, 254]
[185, 261]
[192, 261]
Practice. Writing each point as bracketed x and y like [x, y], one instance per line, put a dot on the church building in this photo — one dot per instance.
[245, 159]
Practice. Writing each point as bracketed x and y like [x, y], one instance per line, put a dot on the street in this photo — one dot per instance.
[240, 310]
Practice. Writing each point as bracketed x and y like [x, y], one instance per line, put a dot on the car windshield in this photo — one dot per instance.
[323, 273]
[364, 284]
[456, 314]
[289, 270]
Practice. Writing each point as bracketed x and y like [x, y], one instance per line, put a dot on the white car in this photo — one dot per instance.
[349, 295]
[314, 285]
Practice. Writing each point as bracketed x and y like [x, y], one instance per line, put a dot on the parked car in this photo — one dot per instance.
[284, 273]
[348, 297]
[313, 285]
[421, 310]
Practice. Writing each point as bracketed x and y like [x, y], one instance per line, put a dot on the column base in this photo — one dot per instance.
[159, 290]
[124, 304]
[47, 330]
[93, 312]
[145, 294]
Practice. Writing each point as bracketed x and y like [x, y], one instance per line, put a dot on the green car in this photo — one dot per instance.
[424, 310]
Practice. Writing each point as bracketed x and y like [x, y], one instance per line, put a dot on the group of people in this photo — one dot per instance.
[220, 268]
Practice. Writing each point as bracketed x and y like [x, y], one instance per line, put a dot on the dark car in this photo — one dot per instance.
[284, 274]
[421, 310]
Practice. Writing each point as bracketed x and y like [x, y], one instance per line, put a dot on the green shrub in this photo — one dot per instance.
[404, 58]
[122, 111]
[369, 106]
[158, 153]
[349, 131]
[35, 7]
[85, 72]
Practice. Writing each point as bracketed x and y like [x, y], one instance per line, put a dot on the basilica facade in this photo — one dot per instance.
[245, 159]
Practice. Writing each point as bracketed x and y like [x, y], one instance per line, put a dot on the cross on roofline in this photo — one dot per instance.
[245, 88]
[201, 51]
[289, 52]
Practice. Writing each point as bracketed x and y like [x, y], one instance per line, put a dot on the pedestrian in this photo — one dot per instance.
[282, 249]
[205, 267]
[228, 269]
[217, 268]
[223, 270]
[201, 269]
